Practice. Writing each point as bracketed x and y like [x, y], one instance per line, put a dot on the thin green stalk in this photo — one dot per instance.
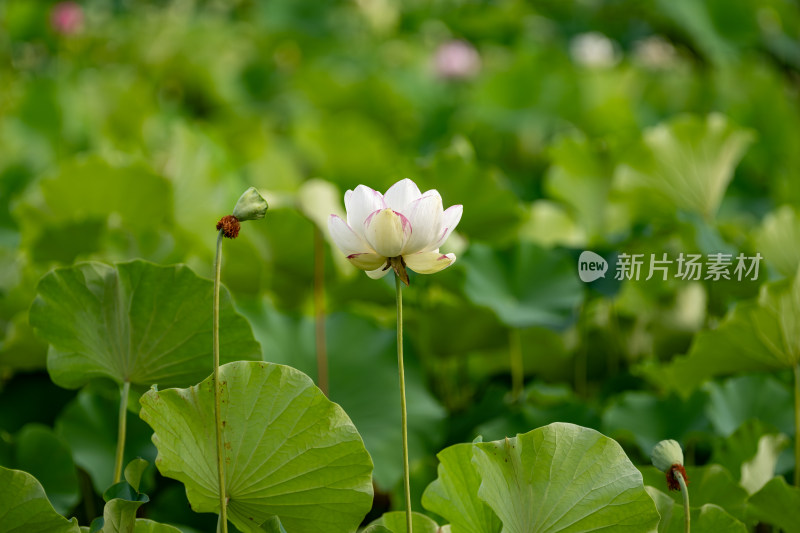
[403, 415]
[121, 430]
[797, 425]
[685, 492]
[223, 500]
[517, 365]
[319, 311]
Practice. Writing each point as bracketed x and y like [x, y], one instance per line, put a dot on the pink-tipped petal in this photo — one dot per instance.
[401, 194]
[387, 232]
[425, 216]
[367, 261]
[359, 203]
[345, 238]
[379, 273]
[450, 219]
[429, 262]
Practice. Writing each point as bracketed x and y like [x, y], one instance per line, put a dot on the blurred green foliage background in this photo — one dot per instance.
[127, 129]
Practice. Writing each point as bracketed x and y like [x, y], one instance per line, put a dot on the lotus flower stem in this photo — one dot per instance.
[403, 415]
[685, 491]
[319, 311]
[121, 430]
[223, 500]
[517, 365]
[797, 425]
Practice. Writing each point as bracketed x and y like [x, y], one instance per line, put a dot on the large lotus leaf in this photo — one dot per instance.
[70, 213]
[762, 334]
[753, 397]
[454, 494]
[696, 20]
[708, 484]
[135, 322]
[551, 224]
[689, 161]
[47, 457]
[751, 454]
[778, 504]
[777, 240]
[89, 425]
[144, 525]
[708, 518]
[580, 177]
[395, 522]
[24, 507]
[647, 419]
[544, 405]
[563, 478]
[289, 451]
[526, 285]
[493, 212]
[363, 381]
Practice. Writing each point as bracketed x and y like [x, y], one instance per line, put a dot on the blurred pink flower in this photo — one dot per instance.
[66, 18]
[457, 60]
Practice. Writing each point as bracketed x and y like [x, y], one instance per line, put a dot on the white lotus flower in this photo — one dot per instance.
[402, 228]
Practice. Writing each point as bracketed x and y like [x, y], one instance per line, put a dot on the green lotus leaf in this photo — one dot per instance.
[24, 506]
[526, 285]
[43, 454]
[688, 161]
[751, 453]
[563, 478]
[762, 334]
[580, 177]
[494, 212]
[148, 526]
[289, 451]
[395, 522]
[454, 494]
[708, 518]
[135, 322]
[777, 504]
[753, 397]
[87, 203]
[133, 472]
[372, 404]
[777, 237]
[646, 418]
[122, 503]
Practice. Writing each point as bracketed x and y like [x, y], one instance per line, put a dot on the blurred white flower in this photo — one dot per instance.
[593, 49]
[399, 229]
[456, 60]
[654, 52]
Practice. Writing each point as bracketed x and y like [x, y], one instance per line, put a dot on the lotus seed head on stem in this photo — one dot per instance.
[667, 456]
[251, 206]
